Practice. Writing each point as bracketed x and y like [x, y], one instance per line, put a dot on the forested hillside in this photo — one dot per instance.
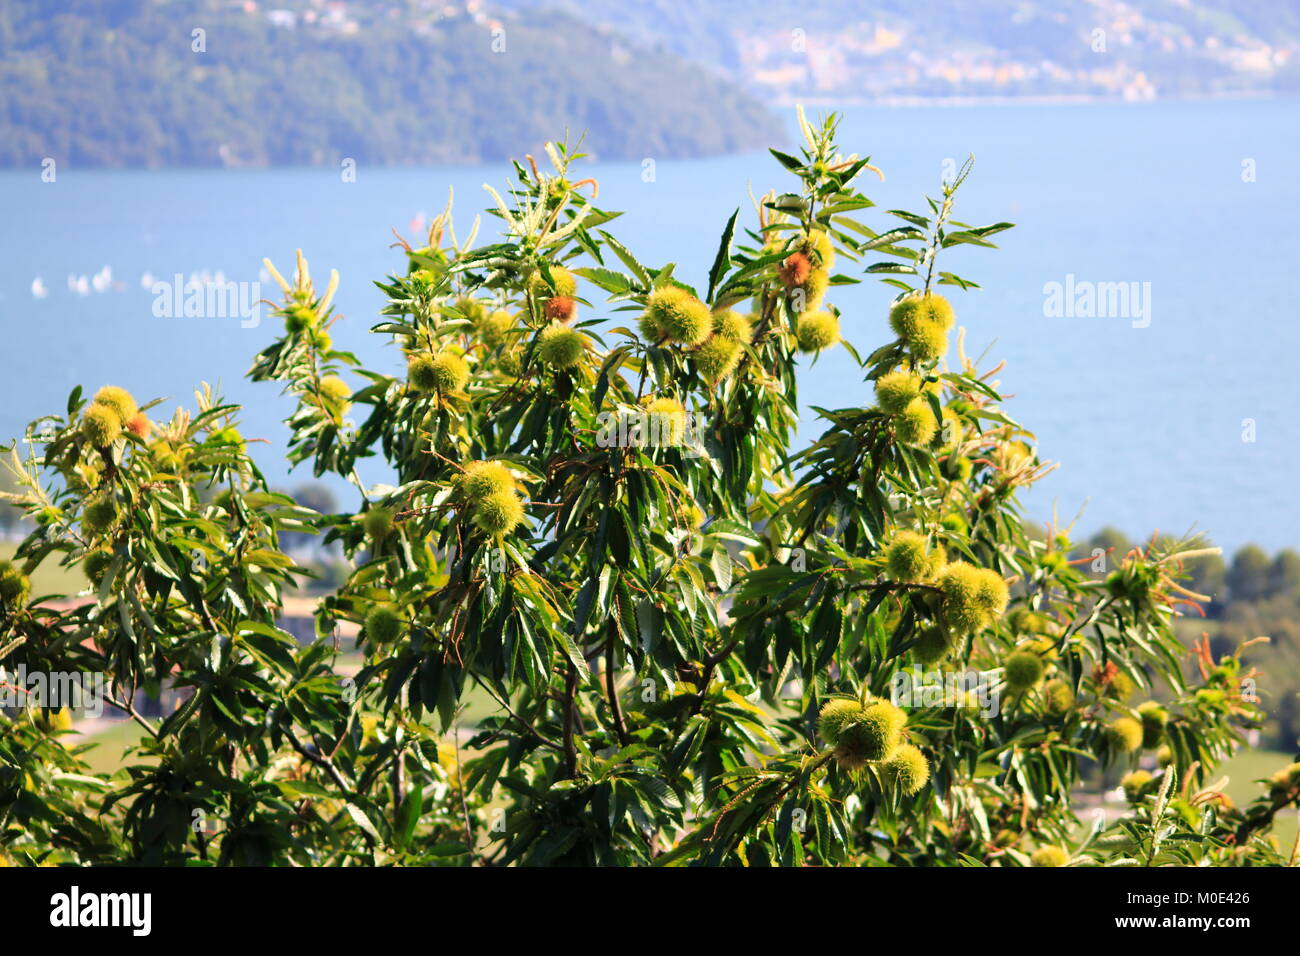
[131, 83]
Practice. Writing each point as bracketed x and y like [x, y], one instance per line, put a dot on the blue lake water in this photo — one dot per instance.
[1146, 422]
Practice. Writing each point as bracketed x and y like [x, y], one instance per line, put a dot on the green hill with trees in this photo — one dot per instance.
[130, 83]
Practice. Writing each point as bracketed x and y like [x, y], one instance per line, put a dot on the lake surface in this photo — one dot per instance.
[1147, 414]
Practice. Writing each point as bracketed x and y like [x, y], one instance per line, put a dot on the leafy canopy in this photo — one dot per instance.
[688, 639]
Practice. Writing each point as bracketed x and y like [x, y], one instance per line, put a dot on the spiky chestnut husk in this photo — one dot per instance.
[1014, 457]
[667, 421]
[954, 522]
[896, 390]
[962, 610]
[443, 372]
[1024, 669]
[335, 391]
[511, 362]
[1164, 755]
[101, 425]
[817, 331]
[956, 468]
[915, 424]
[795, 270]
[650, 328]
[906, 769]
[938, 561]
[819, 249]
[934, 644]
[915, 311]
[166, 456]
[139, 425]
[873, 735]
[835, 714]
[1006, 838]
[1119, 687]
[100, 514]
[907, 556]
[808, 295]
[992, 593]
[384, 624]
[1124, 735]
[377, 522]
[717, 358]
[774, 241]
[96, 565]
[1024, 621]
[299, 319]
[498, 514]
[493, 328]
[471, 308]
[1134, 784]
[560, 308]
[119, 400]
[1058, 697]
[690, 516]
[482, 479]
[14, 585]
[419, 372]
[565, 283]
[52, 720]
[560, 347]
[913, 321]
[321, 340]
[730, 324]
[1154, 718]
[677, 315]
[1049, 856]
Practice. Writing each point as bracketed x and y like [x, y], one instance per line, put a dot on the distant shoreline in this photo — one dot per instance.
[1054, 99]
[782, 104]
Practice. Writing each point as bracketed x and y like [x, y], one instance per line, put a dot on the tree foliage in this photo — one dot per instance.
[693, 634]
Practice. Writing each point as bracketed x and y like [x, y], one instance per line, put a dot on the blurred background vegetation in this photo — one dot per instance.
[1252, 594]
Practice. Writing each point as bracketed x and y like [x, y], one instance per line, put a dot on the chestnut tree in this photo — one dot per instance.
[606, 611]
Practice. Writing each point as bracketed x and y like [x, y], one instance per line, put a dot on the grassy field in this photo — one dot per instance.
[109, 752]
[49, 577]
[1249, 766]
